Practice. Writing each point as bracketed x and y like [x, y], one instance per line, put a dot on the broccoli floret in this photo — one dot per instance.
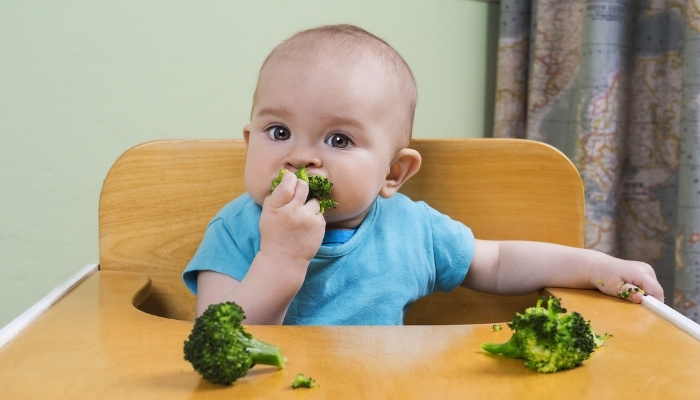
[301, 381]
[319, 187]
[547, 339]
[220, 349]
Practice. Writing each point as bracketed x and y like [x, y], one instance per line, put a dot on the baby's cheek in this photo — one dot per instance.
[354, 201]
[258, 190]
[258, 199]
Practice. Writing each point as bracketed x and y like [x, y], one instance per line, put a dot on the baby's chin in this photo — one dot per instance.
[337, 219]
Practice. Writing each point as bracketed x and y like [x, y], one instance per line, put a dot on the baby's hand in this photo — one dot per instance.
[630, 280]
[291, 228]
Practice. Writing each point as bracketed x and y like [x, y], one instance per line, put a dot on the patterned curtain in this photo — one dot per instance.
[615, 85]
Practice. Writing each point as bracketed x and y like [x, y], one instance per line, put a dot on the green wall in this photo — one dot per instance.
[81, 82]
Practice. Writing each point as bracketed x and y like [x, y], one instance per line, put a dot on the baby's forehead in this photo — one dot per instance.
[320, 67]
[365, 66]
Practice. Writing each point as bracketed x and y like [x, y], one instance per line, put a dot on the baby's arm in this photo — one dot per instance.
[517, 267]
[291, 232]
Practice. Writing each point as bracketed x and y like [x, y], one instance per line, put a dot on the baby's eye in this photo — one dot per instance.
[339, 141]
[279, 133]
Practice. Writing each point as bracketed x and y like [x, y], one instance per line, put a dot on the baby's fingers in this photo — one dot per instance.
[630, 292]
[287, 189]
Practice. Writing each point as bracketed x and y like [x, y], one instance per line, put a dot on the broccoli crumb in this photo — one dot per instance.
[497, 327]
[301, 381]
[625, 294]
[601, 282]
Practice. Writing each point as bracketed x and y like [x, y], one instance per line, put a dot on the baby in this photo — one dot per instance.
[340, 102]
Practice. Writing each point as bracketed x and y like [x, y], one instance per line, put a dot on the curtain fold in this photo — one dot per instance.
[615, 85]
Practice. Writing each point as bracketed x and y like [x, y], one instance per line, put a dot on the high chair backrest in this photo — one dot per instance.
[159, 196]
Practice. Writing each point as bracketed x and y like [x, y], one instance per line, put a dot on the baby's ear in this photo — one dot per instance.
[406, 164]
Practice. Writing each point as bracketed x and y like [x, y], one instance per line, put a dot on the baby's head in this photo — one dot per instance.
[340, 102]
[349, 45]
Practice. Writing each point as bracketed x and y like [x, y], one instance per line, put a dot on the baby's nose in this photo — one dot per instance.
[304, 157]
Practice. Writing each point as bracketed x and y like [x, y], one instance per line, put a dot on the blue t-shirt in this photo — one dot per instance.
[402, 251]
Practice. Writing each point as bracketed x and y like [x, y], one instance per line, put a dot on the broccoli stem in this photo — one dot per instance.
[261, 352]
[508, 349]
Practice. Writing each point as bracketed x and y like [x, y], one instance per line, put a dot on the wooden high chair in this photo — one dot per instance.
[159, 196]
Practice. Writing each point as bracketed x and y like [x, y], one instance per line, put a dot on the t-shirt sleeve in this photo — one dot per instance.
[453, 246]
[217, 252]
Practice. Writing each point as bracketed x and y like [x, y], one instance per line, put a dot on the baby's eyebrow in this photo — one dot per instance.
[343, 121]
[273, 111]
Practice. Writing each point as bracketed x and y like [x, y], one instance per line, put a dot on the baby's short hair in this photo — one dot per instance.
[352, 43]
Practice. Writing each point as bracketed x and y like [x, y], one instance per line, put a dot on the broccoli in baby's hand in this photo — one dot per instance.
[548, 339]
[319, 187]
[221, 350]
